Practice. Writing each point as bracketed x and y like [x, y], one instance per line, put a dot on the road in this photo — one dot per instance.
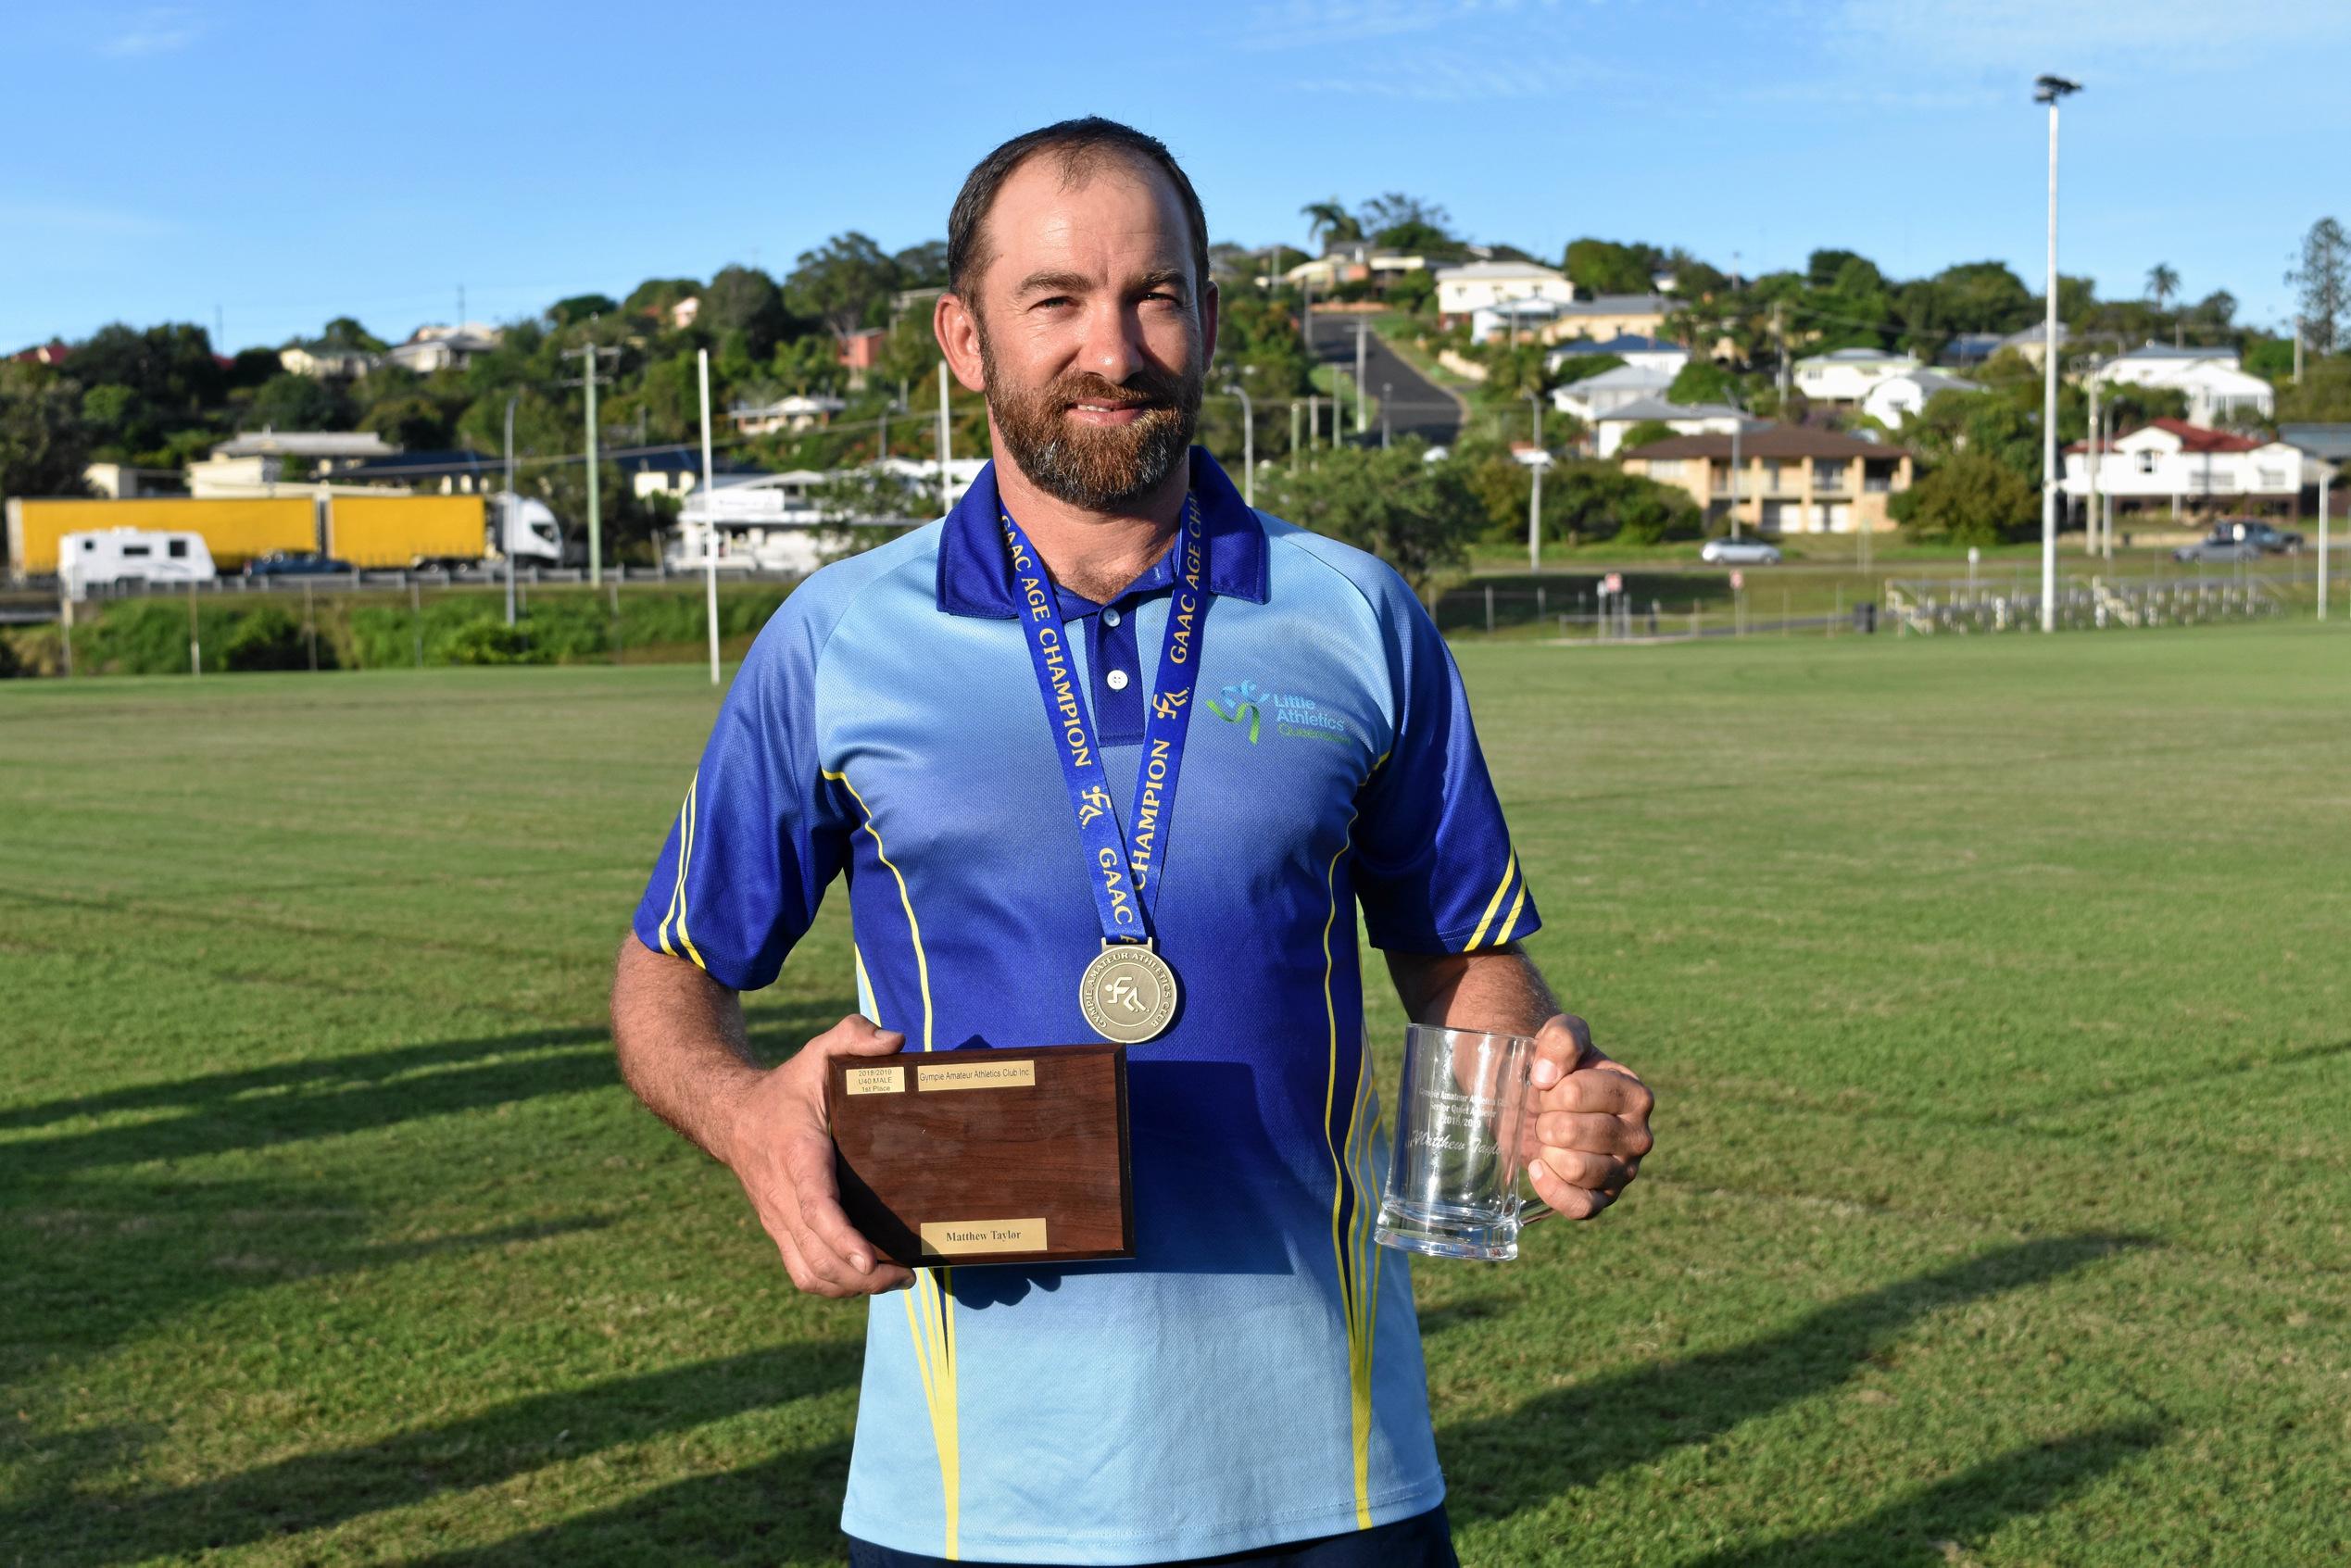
[1415, 406]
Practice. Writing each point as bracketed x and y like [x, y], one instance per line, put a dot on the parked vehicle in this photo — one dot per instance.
[442, 531]
[87, 560]
[2218, 548]
[1740, 552]
[2252, 531]
[294, 563]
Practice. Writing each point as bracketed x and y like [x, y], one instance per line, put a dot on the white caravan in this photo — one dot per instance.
[131, 555]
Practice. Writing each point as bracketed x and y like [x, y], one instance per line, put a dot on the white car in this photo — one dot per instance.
[1740, 552]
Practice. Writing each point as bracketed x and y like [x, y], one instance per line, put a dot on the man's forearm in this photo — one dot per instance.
[1499, 990]
[682, 1045]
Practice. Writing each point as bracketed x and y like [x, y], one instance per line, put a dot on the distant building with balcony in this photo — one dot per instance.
[1512, 320]
[1594, 396]
[1464, 289]
[1845, 376]
[2214, 381]
[1633, 348]
[1608, 428]
[1612, 315]
[2185, 468]
[436, 347]
[1789, 479]
[326, 361]
[797, 412]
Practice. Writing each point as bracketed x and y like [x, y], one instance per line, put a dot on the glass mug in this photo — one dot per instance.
[1461, 1142]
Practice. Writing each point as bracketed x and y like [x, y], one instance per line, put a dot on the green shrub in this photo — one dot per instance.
[10, 665]
[266, 638]
[484, 641]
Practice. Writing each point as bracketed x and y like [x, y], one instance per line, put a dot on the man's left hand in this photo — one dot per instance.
[1588, 1121]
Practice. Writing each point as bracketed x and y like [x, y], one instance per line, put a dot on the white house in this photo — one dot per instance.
[797, 412]
[253, 464]
[326, 363]
[2213, 380]
[2185, 467]
[1893, 400]
[1632, 348]
[1594, 396]
[1848, 375]
[1463, 289]
[772, 522]
[1683, 418]
[2028, 341]
[1523, 317]
[436, 347]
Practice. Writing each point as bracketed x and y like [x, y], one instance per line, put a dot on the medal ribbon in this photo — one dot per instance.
[1124, 867]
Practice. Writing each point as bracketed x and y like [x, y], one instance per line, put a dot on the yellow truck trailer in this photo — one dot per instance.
[399, 531]
[234, 530]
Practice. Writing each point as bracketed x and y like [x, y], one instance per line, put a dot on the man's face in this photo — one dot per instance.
[1091, 331]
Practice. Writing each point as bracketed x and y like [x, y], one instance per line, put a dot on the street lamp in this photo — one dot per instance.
[1249, 442]
[2049, 89]
[506, 509]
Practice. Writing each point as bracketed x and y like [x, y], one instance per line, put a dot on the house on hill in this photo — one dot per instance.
[1790, 478]
[1683, 418]
[1893, 400]
[1461, 290]
[1844, 377]
[2189, 468]
[1633, 348]
[2213, 380]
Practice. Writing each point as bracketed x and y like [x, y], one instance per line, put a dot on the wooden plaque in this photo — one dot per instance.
[956, 1158]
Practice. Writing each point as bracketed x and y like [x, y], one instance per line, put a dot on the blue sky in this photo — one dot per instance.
[285, 164]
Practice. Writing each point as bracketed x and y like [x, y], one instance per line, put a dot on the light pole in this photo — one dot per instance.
[1249, 445]
[1387, 389]
[2325, 514]
[1363, 414]
[508, 508]
[1538, 459]
[2048, 90]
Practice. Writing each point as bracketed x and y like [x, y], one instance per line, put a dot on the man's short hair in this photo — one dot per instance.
[1080, 144]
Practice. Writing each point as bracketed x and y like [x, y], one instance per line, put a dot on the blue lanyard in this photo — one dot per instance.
[1123, 869]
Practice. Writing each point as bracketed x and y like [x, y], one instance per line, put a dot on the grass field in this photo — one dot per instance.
[1994, 992]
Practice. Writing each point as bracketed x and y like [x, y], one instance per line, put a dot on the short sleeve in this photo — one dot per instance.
[759, 835]
[1434, 865]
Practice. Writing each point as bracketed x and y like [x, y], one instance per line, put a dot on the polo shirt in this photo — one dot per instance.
[1253, 1374]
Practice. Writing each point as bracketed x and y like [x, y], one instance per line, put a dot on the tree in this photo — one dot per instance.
[346, 332]
[1605, 266]
[655, 297]
[1413, 514]
[410, 421]
[923, 265]
[579, 308]
[745, 301]
[1400, 222]
[845, 282]
[1414, 292]
[170, 366]
[1972, 498]
[1643, 431]
[289, 402]
[1702, 381]
[1329, 224]
[2323, 395]
[2324, 278]
[44, 443]
[2162, 282]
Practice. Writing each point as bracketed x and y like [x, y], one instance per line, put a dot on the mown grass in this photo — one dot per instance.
[1993, 990]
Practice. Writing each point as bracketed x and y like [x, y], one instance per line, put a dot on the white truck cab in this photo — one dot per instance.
[102, 557]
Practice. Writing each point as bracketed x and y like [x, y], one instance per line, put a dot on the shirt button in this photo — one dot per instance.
[1115, 680]
[1111, 617]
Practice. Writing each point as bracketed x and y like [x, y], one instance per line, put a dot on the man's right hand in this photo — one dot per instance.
[778, 1147]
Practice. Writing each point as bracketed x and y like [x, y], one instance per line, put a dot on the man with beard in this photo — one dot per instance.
[1248, 1387]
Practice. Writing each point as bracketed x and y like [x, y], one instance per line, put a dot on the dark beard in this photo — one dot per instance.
[1098, 469]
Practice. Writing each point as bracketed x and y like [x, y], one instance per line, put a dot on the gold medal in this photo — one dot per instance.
[1127, 993]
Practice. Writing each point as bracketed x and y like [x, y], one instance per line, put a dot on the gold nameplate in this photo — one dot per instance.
[875, 1081]
[954, 1237]
[977, 1075]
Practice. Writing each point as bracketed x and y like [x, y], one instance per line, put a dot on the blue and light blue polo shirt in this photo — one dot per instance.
[1253, 1374]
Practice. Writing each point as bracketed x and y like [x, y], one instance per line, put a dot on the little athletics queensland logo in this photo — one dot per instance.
[1289, 714]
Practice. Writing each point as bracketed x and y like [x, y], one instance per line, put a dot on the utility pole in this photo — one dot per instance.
[1387, 390]
[2048, 90]
[1363, 414]
[2325, 515]
[945, 503]
[709, 517]
[2090, 502]
[1535, 515]
[1249, 446]
[508, 508]
[1780, 336]
[2297, 351]
[592, 374]
[1314, 418]
[1294, 411]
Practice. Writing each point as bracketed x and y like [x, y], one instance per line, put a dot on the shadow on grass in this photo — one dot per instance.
[74, 1528]
[1940, 1524]
[1574, 1437]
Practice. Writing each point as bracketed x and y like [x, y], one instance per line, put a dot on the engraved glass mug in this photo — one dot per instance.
[1462, 1138]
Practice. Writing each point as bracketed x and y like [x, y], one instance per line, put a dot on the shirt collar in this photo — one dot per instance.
[975, 576]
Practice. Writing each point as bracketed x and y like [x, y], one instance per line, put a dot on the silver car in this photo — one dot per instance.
[1740, 552]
